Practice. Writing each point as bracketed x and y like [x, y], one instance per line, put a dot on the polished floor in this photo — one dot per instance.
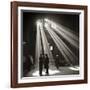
[70, 70]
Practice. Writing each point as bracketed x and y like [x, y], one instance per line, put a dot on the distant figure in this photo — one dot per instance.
[46, 64]
[57, 61]
[41, 64]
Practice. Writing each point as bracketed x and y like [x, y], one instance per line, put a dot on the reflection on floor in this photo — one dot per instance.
[54, 71]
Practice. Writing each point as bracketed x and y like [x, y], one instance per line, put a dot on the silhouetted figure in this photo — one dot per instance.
[46, 63]
[41, 64]
[57, 61]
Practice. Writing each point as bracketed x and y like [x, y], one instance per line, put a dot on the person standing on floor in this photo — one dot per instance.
[46, 63]
[57, 61]
[41, 59]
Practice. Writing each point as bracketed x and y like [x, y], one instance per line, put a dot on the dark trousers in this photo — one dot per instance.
[47, 71]
[40, 69]
[46, 68]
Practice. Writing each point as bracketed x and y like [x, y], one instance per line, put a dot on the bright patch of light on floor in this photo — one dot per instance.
[51, 72]
[74, 68]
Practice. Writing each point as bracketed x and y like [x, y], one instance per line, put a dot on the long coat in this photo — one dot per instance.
[46, 62]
